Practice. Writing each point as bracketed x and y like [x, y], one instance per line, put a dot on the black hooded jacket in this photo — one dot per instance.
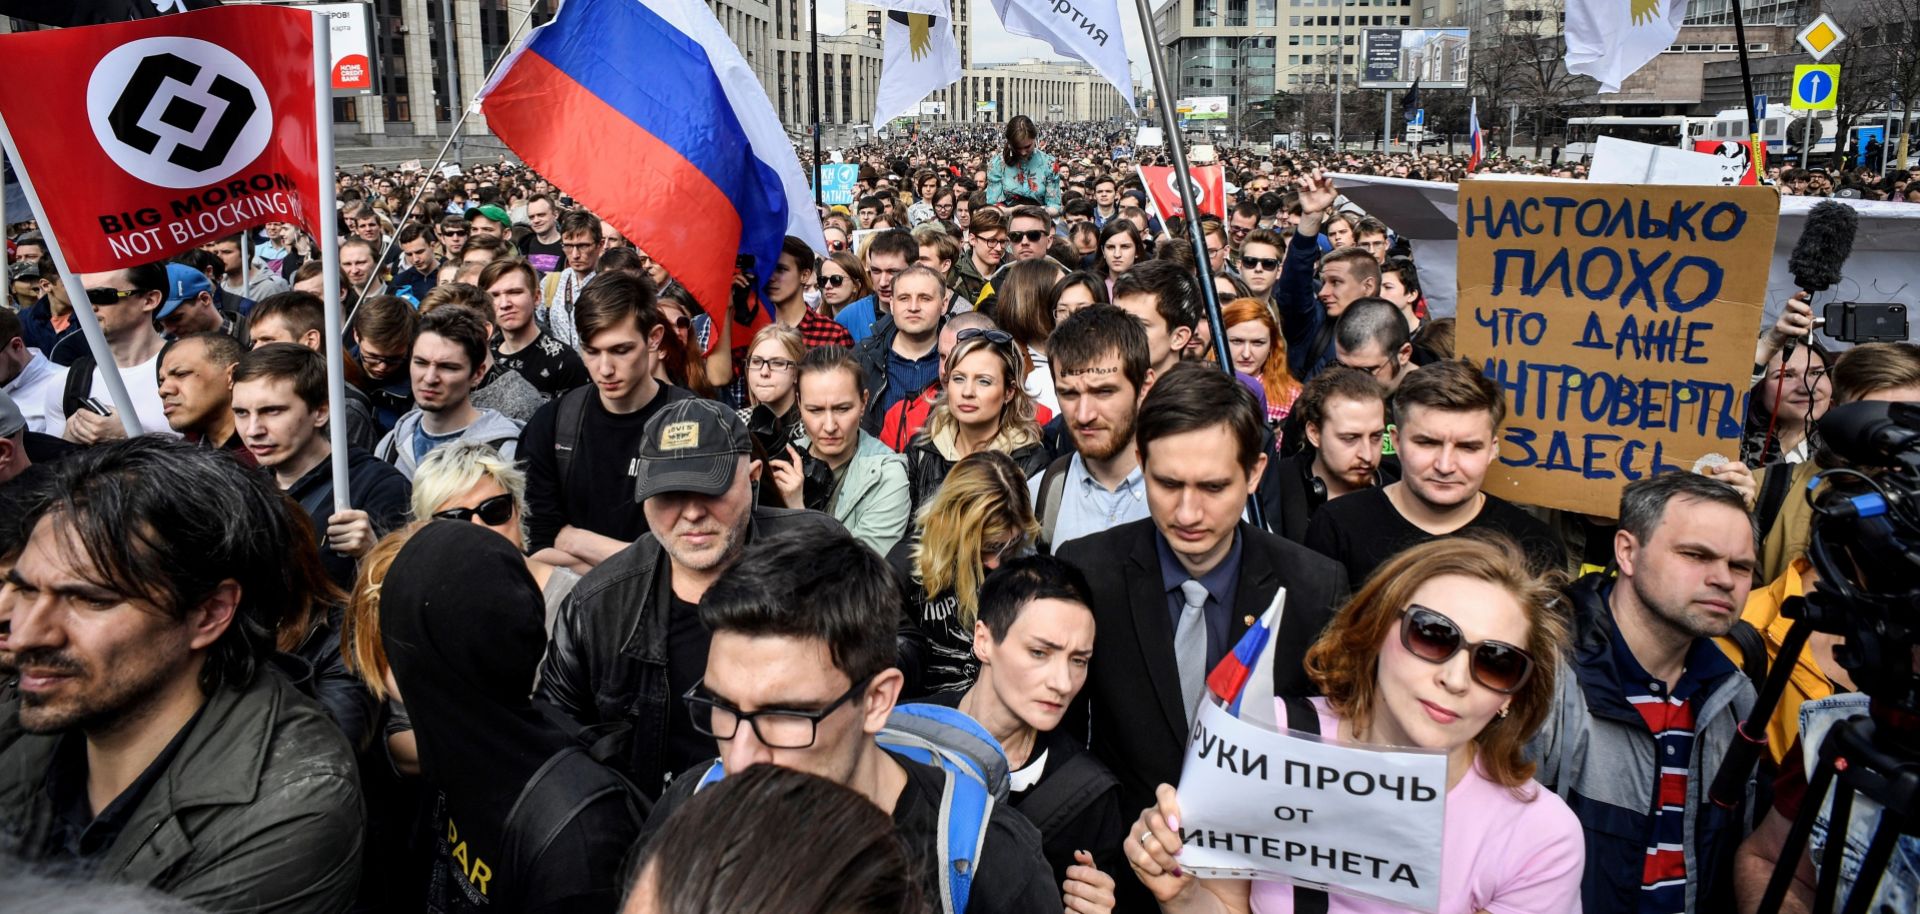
[464, 628]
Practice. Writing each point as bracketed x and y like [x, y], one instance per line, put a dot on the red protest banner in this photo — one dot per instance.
[1209, 189]
[144, 139]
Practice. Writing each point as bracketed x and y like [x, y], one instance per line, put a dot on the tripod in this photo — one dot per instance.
[1854, 760]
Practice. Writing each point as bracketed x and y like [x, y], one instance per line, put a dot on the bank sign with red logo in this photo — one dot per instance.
[144, 139]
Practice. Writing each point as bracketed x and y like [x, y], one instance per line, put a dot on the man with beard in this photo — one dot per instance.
[1446, 424]
[1343, 416]
[158, 748]
[628, 642]
[1100, 374]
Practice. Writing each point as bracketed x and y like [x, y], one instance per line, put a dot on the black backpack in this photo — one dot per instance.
[569, 783]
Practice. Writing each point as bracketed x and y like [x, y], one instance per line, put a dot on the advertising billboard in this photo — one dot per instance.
[1397, 58]
[353, 57]
[1202, 108]
[933, 109]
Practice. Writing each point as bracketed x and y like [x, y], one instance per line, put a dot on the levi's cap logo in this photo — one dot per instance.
[680, 436]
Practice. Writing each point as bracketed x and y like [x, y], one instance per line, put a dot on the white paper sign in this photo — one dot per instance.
[1617, 161]
[1255, 804]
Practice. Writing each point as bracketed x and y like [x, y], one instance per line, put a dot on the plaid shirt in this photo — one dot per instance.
[815, 331]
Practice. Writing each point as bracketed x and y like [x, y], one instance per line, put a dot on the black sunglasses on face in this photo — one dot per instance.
[833, 282]
[1264, 263]
[1431, 636]
[1030, 236]
[109, 296]
[493, 512]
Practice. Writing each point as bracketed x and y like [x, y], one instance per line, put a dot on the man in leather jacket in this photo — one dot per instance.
[628, 643]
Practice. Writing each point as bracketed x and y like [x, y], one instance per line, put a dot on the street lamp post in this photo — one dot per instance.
[1339, 69]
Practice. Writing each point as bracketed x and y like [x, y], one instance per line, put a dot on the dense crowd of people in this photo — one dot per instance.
[904, 602]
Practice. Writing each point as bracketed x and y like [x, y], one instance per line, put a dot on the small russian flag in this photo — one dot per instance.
[645, 112]
[1243, 680]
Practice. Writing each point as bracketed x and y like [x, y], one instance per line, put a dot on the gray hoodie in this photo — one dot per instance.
[491, 426]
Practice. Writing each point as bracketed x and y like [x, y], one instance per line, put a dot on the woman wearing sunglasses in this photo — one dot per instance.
[1450, 646]
[983, 406]
[469, 481]
[842, 281]
[687, 326]
[982, 516]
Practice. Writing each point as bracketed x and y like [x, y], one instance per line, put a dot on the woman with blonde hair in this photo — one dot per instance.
[1259, 350]
[980, 517]
[773, 381]
[1450, 646]
[983, 406]
[469, 481]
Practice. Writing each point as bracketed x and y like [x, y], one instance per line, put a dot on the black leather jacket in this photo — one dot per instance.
[927, 468]
[606, 666]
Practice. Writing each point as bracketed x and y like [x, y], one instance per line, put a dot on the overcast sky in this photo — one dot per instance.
[992, 43]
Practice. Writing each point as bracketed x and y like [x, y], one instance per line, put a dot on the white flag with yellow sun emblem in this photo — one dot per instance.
[1610, 39]
[919, 57]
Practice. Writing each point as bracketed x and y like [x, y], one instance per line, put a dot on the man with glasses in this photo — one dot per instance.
[453, 236]
[1446, 424]
[1241, 224]
[1651, 703]
[1031, 231]
[987, 227]
[902, 357]
[1261, 255]
[78, 407]
[802, 673]
[630, 641]
[1371, 336]
[1371, 236]
[582, 244]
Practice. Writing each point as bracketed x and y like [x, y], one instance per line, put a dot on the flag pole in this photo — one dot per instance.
[76, 294]
[813, 102]
[1177, 147]
[1757, 145]
[329, 229]
[360, 295]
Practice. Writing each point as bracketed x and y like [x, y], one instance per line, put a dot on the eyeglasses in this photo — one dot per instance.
[582, 246]
[834, 281]
[682, 323]
[1260, 263]
[779, 365]
[1369, 369]
[1433, 637]
[1029, 236]
[778, 728]
[1237, 231]
[448, 234]
[109, 296]
[836, 246]
[994, 336]
[991, 241]
[370, 359]
[493, 512]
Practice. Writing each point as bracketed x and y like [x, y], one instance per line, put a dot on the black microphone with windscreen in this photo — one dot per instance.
[1826, 241]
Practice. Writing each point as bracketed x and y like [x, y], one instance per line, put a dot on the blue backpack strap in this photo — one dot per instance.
[714, 773]
[965, 807]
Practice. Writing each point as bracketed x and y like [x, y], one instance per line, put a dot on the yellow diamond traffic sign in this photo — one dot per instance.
[1821, 36]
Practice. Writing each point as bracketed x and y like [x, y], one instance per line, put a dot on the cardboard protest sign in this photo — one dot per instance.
[1620, 321]
[1350, 820]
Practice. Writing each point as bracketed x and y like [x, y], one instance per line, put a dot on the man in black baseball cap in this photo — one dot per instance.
[628, 642]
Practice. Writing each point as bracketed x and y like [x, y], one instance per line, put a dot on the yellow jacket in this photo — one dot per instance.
[1808, 682]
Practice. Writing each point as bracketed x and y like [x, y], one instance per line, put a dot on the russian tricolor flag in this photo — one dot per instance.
[1478, 138]
[645, 112]
[1243, 680]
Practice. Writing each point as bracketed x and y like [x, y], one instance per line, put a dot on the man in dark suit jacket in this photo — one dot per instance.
[1199, 440]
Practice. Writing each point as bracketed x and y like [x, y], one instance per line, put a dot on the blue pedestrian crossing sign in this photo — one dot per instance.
[1816, 86]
